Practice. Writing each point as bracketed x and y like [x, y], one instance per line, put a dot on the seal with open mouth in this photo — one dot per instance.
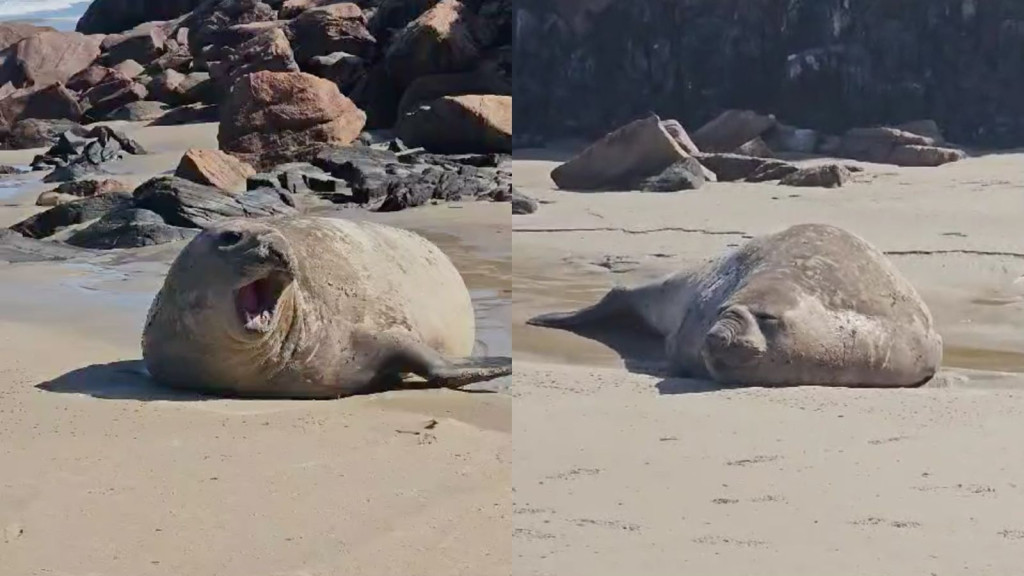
[810, 305]
[301, 307]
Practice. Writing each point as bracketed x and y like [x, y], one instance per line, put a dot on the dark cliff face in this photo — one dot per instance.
[823, 64]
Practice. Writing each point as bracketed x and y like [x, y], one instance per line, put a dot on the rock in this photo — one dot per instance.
[111, 16]
[142, 44]
[267, 52]
[756, 148]
[427, 89]
[821, 176]
[13, 32]
[35, 133]
[129, 228]
[276, 117]
[179, 89]
[771, 171]
[877, 144]
[378, 95]
[292, 8]
[460, 124]
[77, 157]
[141, 111]
[88, 188]
[102, 109]
[16, 248]
[927, 128]
[91, 77]
[913, 155]
[54, 102]
[735, 167]
[47, 223]
[785, 138]
[523, 204]
[438, 42]
[732, 129]
[214, 168]
[6, 170]
[631, 153]
[47, 58]
[192, 114]
[190, 205]
[129, 69]
[685, 174]
[342, 68]
[52, 198]
[380, 175]
[679, 134]
[208, 23]
[335, 28]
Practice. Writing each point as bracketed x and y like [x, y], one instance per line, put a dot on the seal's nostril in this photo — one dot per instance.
[718, 338]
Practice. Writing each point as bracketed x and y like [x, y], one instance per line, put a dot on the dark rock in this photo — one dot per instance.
[111, 16]
[267, 52]
[54, 102]
[192, 114]
[179, 89]
[334, 28]
[129, 228]
[143, 45]
[190, 205]
[821, 176]
[427, 89]
[732, 129]
[438, 42]
[342, 68]
[87, 188]
[102, 109]
[76, 171]
[783, 138]
[89, 78]
[378, 95]
[771, 171]
[756, 147]
[49, 222]
[685, 174]
[735, 167]
[364, 169]
[77, 157]
[521, 203]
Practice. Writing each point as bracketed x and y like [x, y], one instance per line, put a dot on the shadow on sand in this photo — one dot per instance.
[125, 380]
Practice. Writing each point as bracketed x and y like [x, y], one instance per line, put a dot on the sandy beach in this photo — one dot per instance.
[105, 473]
[621, 473]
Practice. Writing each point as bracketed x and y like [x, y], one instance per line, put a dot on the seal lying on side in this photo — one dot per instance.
[811, 305]
[299, 307]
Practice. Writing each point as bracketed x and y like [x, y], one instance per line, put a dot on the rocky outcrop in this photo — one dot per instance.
[460, 124]
[111, 16]
[214, 168]
[276, 117]
[49, 222]
[74, 157]
[821, 176]
[53, 102]
[584, 67]
[334, 28]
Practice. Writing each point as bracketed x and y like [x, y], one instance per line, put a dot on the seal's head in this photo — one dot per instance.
[243, 271]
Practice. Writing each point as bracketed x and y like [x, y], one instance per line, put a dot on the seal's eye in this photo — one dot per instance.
[766, 318]
[229, 238]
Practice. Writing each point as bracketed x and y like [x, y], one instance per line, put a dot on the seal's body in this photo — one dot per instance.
[306, 307]
[811, 305]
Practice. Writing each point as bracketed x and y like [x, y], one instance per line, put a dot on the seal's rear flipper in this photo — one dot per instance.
[613, 304]
[466, 371]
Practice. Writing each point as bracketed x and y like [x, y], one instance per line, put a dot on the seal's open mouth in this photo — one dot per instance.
[257, 301]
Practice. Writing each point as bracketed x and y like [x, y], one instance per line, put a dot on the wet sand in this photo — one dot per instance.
[106, 473]
[645, 475]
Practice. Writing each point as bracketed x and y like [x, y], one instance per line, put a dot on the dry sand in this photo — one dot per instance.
[620, 473]
[103, 473]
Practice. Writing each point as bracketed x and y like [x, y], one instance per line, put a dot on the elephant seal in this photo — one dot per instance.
[300, 307]
[811, 305]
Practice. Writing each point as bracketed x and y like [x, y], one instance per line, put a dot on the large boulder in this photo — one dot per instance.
[735, 167]
[686, 174]
[268, 51]
[924, 156]
[622, 158]
[122, 94]
[460, 124]
[821, 176]
[47, 57]
[190, 205]
[732, 129]
[439, 41]
[177, 89]
[49, 222]
[276, 117]
[335, 28]
[91, 77]
[13, 32]
[342, 68]
[129, 228]
[214, 168]
[142, 44]
[426, 89]
[111, 16]
[53, 102]
[877, 143]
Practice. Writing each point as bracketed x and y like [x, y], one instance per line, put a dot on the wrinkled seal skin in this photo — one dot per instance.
[811, 305]
[358, 305]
